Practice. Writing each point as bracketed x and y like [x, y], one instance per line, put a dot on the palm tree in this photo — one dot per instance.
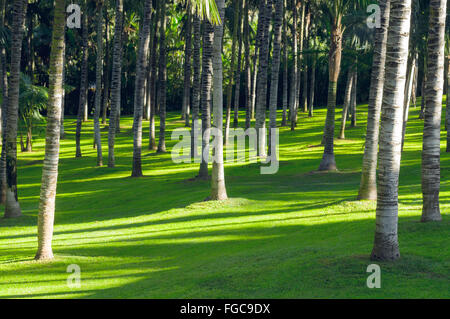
[107, 71]
[432, 128]
[285, 71]
[141, 68]
[12, 207]
[115, 82]
[196, 82]
[294, 75]
[154, 70]
[98, 92]
[347, 101]
[237, 80]
[232, 69]
[335, 9]
[187, 67]
[248, 68]
[368, 186]
[265, 13]
[46, 214]
[386, 236]
[278, 24]
[162, 80]
[32, 101]
[218, 189]
[205, 100]
[447, 113]
[4, 88]
[83, 82]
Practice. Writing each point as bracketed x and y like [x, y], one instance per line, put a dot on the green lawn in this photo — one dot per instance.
[295, 234]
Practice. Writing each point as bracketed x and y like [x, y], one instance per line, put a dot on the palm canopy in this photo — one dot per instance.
[336, 10]
[207, 9]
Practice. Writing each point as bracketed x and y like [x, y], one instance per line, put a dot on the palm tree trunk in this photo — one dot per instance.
[46, 213]
[386, 235]
[12, 207]
[107, 72]
[116, 77]
[276, 58]
[162, 80]
[4, 88]
[408, 94]
[285, 63]
[354, 97]
[196, 85]
[347, 102]
[447, 113]
[294, 76]
[431, 168]
[98, 91]
[306, 23]
[141, 68]
[265, 10]
[218, 189]
[187, 68]
[328, 162]
[237, 93]
[312, 87]
[83, 83]
[232, 69]
[62, 132]
[423, 105]
[154, 73]
[205, 102]
[248, 68]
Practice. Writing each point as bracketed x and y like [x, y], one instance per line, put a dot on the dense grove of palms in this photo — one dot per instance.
[261, 57]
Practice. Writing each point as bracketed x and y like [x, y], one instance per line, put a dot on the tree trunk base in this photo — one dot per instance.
[45, 255]
[368, 193]
[12, 206]
[328, 163]
[385, 249]
[431, 215]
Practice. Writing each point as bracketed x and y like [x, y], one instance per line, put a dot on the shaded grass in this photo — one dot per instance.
[295, 234]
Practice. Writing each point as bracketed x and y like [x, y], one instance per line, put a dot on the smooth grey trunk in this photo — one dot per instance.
[386, 231]
[368, 185]
[12, 206]
[116, 77]
[218, 189]
[431, 151]
[46, 214]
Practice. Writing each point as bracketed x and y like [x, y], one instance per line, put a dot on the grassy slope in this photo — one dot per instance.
[290, 235]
